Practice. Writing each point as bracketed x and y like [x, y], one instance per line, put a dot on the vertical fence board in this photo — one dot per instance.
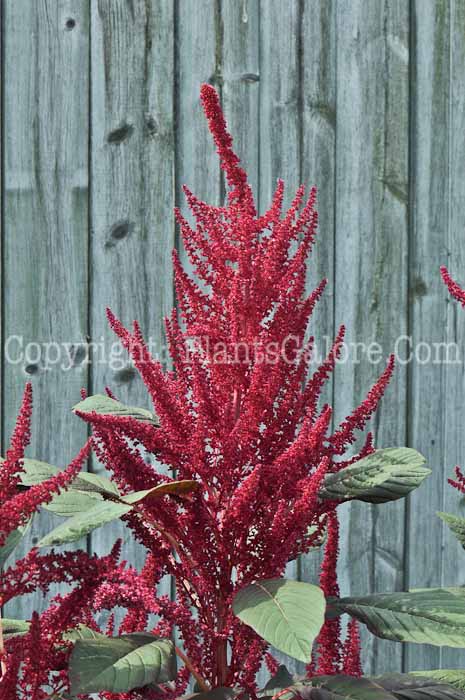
[454, 439]
[241, 76]
[199, 37]
[435, 387]
[280, 147]
[429, 193]
[132, 193]
[45, 226]
[371, 272]
[318, 100]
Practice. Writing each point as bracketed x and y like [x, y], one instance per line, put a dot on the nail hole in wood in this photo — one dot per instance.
[70, 24]
[120, 134]
[31, 369]
[119, 231]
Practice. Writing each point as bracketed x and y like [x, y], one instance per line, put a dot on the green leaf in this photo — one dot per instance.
[453, 677]
[386, 475]
[68, 503]
[405, 686]
[172, 488]
[105, 406]
[427, 616]
[388, 687]
[81, 524]
[82, 632]
[12, 541]
[14, 628]
[36, 472]
[286, 614]
[120, 664]
[94, 483]
[456, 525]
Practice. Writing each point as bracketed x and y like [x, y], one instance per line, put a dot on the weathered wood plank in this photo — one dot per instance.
[132, 194]
[45, 235]
[199, 39]
[241, 80]
[280, 146]
[371, 268]
[454, 440]
[436, 421]
[318, 126]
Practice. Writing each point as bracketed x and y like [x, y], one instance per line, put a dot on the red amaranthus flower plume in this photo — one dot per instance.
[457, 293]
[239, 414]
[454, 288]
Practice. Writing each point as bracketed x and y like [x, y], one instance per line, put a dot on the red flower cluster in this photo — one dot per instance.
[457, 293]
[240, 415]
[455, 289]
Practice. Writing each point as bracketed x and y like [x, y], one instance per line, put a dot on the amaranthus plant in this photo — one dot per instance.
[258, 472]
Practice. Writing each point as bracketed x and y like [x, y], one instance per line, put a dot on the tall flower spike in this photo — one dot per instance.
[239, 414]
[329, 639]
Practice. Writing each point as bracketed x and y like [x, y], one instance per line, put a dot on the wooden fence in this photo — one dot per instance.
[101, 126]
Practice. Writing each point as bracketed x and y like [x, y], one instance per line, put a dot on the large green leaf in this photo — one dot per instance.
[69, 503]
[104, 405]
[82, 632]
[81, 524]
[35, 472]
[427, 616]
[95, 483]
[340, 687]
[383, 476]
[456, 525]
[407, 687]
[454, 677]
[286, 614]
[11, 542]
[120, 664]
[14, 628]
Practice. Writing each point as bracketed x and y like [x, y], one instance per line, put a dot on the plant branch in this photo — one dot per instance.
[188, 664]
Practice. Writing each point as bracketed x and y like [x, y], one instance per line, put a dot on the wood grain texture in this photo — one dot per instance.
[453, 565]
[436, 388]
[198, 60]
[240, 59]
[371, 269]
[132, 194]
[45, 226]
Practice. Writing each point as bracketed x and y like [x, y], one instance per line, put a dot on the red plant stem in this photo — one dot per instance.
[188, 664]
[221, 649]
